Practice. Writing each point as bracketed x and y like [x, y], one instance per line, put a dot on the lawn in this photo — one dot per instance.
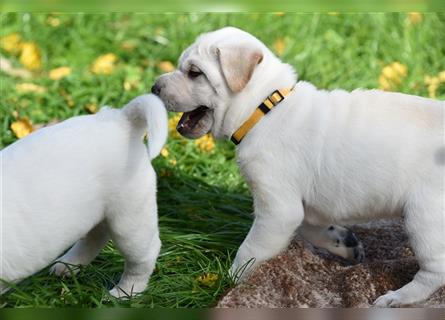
[63, 65]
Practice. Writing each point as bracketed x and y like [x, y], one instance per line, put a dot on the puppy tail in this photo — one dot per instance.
[148, 111]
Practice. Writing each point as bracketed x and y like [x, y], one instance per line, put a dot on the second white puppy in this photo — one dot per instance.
[87, 178]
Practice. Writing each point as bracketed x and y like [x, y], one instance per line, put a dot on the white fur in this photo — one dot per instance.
[329, 157]
[88, 177]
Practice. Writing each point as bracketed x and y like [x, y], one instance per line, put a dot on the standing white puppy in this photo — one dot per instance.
[313, 157]
[87, 178]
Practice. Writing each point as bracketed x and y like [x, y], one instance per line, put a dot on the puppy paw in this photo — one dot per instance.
[390, 299]
[126, 293]
[62, 269]
[346, 244]
[241, 269]
[119, 293]
[358, 253]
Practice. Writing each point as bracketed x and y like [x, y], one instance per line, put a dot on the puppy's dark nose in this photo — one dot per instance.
[156, 89]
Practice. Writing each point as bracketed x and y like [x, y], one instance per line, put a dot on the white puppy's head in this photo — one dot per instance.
[220, 79]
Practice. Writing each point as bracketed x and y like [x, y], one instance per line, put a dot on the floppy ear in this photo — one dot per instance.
[237, 64]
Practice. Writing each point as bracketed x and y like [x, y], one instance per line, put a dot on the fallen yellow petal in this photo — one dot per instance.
[6, 67]
[172, 123]
[12, 43]
[279, 46]
[128, 45]
[131, 84]
[21, 128]
[208, 279]
[59, 73]
[401, 69]
[389, 73]
[104, 64]
[384, 83]
[432, 80]
[164, 152]
[166, 66]
[414, 17]
[205, 143]
[91, 108]
[53, 21]
[432, 90]
[30, 57]
[29, 87]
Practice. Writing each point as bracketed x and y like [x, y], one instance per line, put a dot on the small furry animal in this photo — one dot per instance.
[318, 157]
[86, 178]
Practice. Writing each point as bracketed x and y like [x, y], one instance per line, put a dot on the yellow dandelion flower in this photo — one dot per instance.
[30, 57]
[441, 76]
[205, 143]
[11, 43]
[414, 18]
[29, 88]
[22, 127]
[91, 107]
[164, 152]
[207, 279]
[173, 162]
[166, 66]
[279, 46]
[59, 73]
[104, 64]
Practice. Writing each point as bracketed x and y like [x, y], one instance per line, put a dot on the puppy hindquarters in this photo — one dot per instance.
[425, 225]
[336, 239]
[83, 251]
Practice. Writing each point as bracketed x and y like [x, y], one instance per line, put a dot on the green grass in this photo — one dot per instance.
[204, 205]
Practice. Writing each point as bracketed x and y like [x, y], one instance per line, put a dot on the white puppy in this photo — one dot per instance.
[317, 157]
[87, 178]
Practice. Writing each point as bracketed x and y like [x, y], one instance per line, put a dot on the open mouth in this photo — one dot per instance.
[196, 123]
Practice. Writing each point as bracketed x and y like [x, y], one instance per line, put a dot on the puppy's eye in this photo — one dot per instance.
[194, 73]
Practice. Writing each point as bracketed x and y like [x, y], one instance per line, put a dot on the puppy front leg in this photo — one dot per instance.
[83, 252]
[271, 232]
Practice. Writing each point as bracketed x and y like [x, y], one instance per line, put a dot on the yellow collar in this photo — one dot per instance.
[271, 101]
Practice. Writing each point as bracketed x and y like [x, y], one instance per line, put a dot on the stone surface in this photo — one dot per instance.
[304, 276]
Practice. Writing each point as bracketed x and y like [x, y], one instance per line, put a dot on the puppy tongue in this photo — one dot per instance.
[191, 118]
